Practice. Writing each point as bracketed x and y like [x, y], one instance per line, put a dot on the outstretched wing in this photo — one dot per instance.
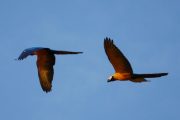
[28, 51]
[116, 57]
[45, 65]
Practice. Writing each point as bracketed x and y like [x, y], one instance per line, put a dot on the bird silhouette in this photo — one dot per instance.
[123, 69]
[45, 62]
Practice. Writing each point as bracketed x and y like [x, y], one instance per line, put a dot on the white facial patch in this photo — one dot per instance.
[110, 78]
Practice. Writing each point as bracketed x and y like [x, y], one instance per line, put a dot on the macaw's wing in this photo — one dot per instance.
[45, 77]
[28, 51]
[116, 57]
[45, 71]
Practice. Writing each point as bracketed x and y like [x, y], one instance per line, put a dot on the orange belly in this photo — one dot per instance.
[122, 76]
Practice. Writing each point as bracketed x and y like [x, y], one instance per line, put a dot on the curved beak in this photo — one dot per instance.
[110, 80]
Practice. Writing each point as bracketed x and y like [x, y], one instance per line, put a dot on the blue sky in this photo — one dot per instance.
[147, 31]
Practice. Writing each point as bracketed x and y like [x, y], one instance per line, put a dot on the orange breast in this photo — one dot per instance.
[122, 76]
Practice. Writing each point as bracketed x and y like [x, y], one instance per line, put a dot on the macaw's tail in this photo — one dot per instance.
[141, 77]
[65, 52]
[153, 75]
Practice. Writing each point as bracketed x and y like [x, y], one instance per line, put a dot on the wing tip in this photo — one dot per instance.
[47, 90]
[108, 39]
[108, 42]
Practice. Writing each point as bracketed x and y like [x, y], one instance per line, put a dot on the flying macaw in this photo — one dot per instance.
[123, 69]
[45, 62]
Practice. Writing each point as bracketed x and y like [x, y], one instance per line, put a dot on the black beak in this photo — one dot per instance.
[110, 80]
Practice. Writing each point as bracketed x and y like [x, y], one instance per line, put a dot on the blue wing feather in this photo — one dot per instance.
[29, 51]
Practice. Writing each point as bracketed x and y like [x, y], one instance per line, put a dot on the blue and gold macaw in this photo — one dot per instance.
[123, 69]
[45, 62]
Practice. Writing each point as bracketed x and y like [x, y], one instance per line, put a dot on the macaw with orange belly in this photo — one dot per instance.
[123, 69]
[45, 62]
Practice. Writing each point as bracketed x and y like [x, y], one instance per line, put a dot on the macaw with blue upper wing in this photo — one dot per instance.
[45, 62]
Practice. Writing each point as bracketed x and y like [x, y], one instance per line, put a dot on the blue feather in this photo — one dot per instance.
[29, 51]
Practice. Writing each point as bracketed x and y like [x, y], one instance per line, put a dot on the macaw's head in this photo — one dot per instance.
[111, 78]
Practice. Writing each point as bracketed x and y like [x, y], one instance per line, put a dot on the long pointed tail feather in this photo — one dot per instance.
[153, 75]
[65, 52]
